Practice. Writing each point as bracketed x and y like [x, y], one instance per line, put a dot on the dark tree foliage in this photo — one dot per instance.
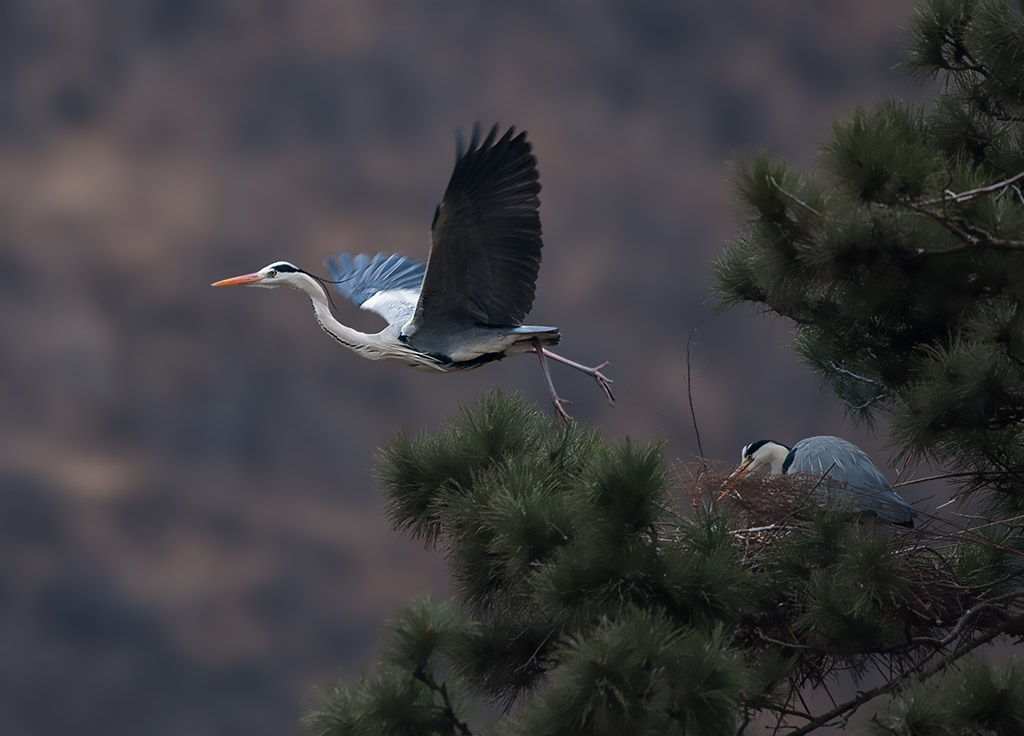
[599, 591]
[902, 268]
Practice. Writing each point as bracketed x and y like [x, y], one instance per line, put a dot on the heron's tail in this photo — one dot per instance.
[546, 335]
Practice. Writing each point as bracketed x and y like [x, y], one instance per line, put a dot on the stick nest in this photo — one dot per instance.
[763, 510]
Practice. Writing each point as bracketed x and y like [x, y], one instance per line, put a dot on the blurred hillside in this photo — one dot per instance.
[190, 538]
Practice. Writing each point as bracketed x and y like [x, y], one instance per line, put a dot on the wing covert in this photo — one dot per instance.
[862, 483]
[387, 285]
[851, 464]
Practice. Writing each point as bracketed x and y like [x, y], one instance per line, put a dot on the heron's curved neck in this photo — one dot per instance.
[350, 338]
[774, 456]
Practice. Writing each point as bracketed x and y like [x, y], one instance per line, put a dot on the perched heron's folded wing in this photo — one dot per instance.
[863, 484]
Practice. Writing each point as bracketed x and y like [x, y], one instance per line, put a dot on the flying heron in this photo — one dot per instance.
[466, 306]
[861, 484]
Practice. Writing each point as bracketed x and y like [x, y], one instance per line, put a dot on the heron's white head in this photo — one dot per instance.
[280, 273]
[761, 453]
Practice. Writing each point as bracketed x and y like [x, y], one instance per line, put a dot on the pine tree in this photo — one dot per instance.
[901, 268]
[598, 590]
[591, 598]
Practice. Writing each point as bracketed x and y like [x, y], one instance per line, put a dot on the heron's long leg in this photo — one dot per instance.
[603, 381]
[562, 414]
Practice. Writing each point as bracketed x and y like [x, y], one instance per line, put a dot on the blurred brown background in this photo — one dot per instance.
[190, 536]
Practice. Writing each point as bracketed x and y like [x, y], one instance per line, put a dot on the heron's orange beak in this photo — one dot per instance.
[246, 280]
[734, 476]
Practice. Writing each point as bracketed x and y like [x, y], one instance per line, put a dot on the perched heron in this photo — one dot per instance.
[466, 306]
[861, 484]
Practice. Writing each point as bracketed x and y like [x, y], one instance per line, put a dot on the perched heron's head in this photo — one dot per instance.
[761, 453]
[276, 274]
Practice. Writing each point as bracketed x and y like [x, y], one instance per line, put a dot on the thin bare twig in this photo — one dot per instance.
[949, 196]
[971, 613]
[771, 180]
[971, 235]
[896, 685]
[822, 478]
[991, 523]
[831, 365]
[753, 529]
[689, 396]
[442, 689]
[787, 644]
[867, 402]
[947, 476]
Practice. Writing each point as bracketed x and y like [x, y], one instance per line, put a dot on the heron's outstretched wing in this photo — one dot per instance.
[485, 239]
[387, 285]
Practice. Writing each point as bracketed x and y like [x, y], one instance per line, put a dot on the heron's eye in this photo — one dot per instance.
[271, 273]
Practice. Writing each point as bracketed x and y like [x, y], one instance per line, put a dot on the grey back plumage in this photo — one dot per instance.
[861, 483]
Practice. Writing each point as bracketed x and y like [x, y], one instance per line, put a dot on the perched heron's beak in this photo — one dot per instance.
[735, 476]
[741, 470]
[247, 280]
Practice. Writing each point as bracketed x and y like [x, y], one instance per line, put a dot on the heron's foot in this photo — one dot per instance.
[602, 380]
[555, 398]
[560, 412]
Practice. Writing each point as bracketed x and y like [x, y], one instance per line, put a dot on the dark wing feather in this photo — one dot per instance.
[485, 239]
[395, 276]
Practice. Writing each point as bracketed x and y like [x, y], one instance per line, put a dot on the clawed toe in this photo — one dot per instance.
[560, 412]
[605, 384]
[602, 380]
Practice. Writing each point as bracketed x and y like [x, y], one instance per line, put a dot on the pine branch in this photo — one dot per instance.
[790, 195]
[449, 711]
[950, 476]
[949, 196]
[832, 366]
[777, 642]
[965, 62]
[689, 396]
[972, 613]
[866, 403]
[894, 686]
[972, 235]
